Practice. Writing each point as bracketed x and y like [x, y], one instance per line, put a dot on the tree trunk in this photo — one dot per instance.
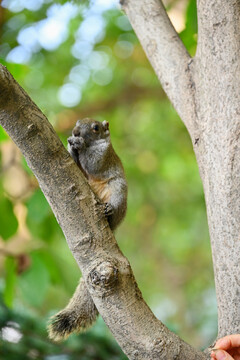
[205, 91]
[217, 74]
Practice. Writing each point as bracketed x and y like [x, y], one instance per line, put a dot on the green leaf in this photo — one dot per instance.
[8, 221]
[38, 207]
[52, 265]
[47, 229]
[40, 219]
[3, 62]
[189, 34]
[25, 166]
[10, 281]
[191, 17]
[34, 282]
[3, 135]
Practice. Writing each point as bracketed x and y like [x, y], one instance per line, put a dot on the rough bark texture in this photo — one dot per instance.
[205, 91]
[217, 74]
[106, 271]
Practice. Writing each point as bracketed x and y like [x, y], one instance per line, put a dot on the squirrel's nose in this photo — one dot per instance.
[76, 131]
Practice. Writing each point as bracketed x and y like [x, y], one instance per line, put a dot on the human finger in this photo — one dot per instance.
[221, 355]
[228, 342]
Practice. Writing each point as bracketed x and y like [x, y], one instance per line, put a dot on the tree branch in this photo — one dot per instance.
[106, 271]
[167, 54]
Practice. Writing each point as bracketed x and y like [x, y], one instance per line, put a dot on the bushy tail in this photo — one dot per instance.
[77, 316]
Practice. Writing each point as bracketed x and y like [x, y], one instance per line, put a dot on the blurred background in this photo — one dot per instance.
[82, 59]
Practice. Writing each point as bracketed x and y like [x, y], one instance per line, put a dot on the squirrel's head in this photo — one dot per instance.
[91, 130]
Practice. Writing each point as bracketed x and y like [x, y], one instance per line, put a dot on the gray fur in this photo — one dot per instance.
[94, 154]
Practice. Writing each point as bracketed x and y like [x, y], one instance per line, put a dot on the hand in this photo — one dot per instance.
[227, 348]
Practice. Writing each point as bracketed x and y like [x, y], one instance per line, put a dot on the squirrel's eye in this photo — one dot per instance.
[95, 128]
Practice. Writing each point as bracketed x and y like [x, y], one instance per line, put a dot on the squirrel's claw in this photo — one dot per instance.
[108, 209]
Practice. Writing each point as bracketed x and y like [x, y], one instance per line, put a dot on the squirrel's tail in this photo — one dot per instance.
[77, 316]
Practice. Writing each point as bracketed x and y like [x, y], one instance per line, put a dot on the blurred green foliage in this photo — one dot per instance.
[29, 340]
[72, 72]
[8, 221]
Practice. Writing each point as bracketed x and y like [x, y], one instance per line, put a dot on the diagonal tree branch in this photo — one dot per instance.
[106, 271]
[167, 54]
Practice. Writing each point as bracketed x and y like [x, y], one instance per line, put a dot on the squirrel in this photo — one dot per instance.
[91, 148]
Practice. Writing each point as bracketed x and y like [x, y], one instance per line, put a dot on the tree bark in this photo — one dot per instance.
[205, 91]
[217, 74]
[106, 271]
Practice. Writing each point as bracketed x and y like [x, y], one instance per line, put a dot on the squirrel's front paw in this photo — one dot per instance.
[75, 142]
[108, 209]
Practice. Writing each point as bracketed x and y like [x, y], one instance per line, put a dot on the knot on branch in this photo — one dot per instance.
[103, 277]
[31, 130]
[159, 347]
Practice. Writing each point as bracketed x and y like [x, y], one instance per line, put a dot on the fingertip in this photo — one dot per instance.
[224, 343]
[221, 355]
[228, 342]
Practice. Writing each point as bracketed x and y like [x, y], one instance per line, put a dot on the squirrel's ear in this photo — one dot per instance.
[105, 125]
